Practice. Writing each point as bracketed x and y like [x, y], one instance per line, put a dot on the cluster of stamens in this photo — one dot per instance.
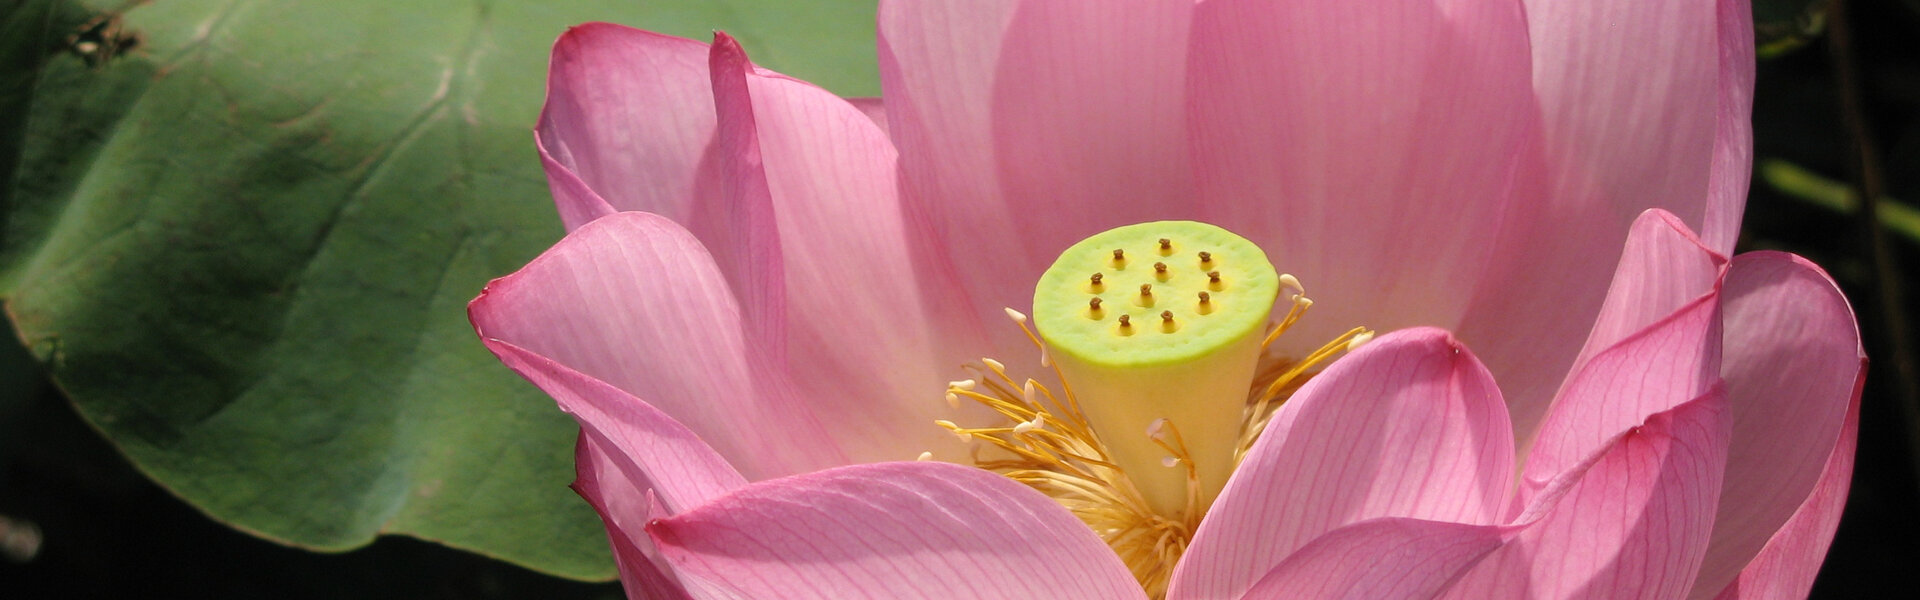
[1048, 445]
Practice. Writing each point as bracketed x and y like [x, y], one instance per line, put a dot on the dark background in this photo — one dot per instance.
[1841, 105]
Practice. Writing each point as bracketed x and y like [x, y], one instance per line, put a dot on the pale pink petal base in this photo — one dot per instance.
[890, 530]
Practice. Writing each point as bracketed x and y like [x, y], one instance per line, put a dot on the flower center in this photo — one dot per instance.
[1154, 333]
[1161, 323]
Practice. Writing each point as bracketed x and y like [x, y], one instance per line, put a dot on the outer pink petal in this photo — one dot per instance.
[629, 115]
[625, 507]
[630, 125]
[874, 108]
[1733, 127]
[1025, 126]
[632, 300]
[1369, 147]
[1646, 106]
[1381, 559]
[647, 449]
[1630, 91]
[1410, 425]
[577, 203]
[1785, 568]
[1631, 521]
[867, 332]
[1794, 367]
[736, 220]
[1662, 268]
[887, 531]
[1656, 345]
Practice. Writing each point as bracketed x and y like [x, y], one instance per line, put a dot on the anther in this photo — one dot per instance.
[1206, 257]
[1362, 339]
[1291, 286]
[1017, 316]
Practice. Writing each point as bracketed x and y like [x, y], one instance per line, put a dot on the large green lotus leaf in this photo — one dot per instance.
[244, 248]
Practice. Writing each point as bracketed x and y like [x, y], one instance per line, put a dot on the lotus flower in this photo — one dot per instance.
[764, 289]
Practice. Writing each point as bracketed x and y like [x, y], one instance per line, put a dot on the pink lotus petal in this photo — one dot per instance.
[890, 530]
[629, 114]
[874, 108]
[1733, 127]
[625, 507]
[1641, 111]
[1025, 126]
[577, 203]
[1662, 268]
[1381, 559]
[863, 341]
[1089, 122]
[647, 449]
[737, 222]
[1646, 353]
[1786, 566]
[1369, 147]
[1409, 425]
[1630, 92]
[1792, 362]
[937, 64]
[1630, 521]
[632, 300]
